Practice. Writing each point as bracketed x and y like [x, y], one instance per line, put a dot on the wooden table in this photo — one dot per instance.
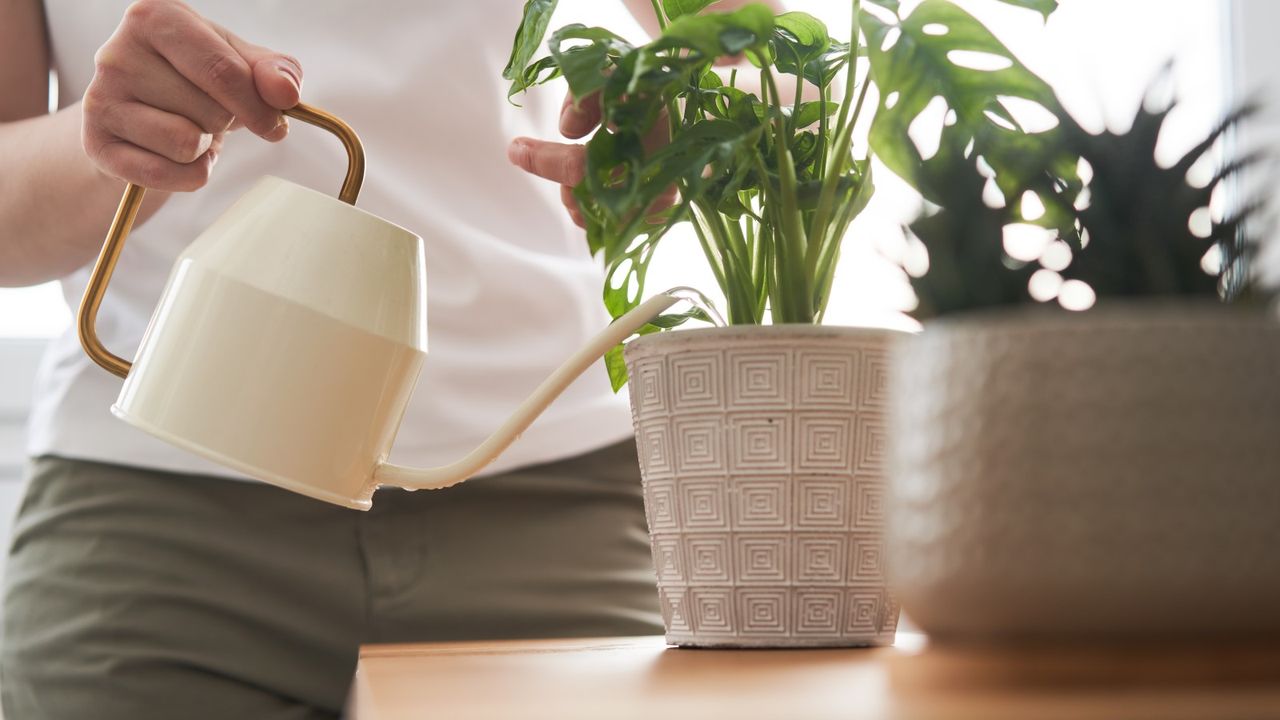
[642, 678]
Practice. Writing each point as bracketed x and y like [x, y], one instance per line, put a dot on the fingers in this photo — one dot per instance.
[561, 163]
[168, 84]
[277, 77]
[165, 134]
[205, 58]
[131, 163]
[166, 90]
[579, 119]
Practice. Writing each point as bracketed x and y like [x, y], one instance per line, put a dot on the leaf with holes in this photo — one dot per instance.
[1044, 7]
[922, 65]
[765, 162]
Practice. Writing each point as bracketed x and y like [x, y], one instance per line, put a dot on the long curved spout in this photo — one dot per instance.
[443, 477]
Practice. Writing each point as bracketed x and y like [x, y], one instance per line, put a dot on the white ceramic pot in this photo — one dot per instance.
[1111, 473]
[763, 453]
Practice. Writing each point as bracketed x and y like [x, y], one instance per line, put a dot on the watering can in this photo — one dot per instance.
[289, 338]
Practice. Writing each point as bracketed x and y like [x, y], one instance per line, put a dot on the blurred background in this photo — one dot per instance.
[1100, 55]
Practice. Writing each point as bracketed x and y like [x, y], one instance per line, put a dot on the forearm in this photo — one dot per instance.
[54, 204]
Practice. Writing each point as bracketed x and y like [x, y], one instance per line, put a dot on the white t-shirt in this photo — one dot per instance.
[512, 290]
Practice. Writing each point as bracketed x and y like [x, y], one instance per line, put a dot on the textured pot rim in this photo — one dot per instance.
[1146, 312]
[791, 331]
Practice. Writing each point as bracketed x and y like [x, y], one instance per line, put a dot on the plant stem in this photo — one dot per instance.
[819, 230]
[851, 66]
[799, 306]
[713, 258]
[734, 266]
[795, 105]
[662, 17]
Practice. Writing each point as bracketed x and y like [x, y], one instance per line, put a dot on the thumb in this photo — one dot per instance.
[278, 77]
[279, 80]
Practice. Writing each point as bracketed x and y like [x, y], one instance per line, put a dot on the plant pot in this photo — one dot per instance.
[1108, 474]
[762, 451]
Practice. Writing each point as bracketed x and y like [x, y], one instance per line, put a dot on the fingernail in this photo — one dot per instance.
[571, 121]
[279, 131]
[290, 72]
[517, 151]
[206, 142]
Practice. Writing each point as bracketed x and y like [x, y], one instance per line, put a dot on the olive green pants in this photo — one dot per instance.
[136, 594]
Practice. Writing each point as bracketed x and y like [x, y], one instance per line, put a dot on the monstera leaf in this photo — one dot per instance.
[937, 52]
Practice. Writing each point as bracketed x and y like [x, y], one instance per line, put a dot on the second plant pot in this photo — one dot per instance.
[763, 451]
[1102, 475]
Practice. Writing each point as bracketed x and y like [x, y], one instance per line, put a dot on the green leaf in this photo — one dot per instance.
[799, 40]
[679, 8]
[805, 31]
[533, 27]
[890, 5]
[1044, 7]
[617, 367]
[919, 67]
[812, 112]
[585, 66]
[719, 34]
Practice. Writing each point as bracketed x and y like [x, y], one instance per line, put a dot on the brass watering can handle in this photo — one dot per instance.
[128, 212]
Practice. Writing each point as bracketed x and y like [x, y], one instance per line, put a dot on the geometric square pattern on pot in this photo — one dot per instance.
[667, 560]
[698, 445]
[705, 503]
[820, 558]
[697, 382]
[708, 558]
[662, 508]
[818, 612]
[824, 441]
[675, 608]
[866, 558]
[653, 443]
[870, 442]
[875, 380]
[863, 611]
[648, 393]
[821, 502]
[828, 379]
[761, 379]
[712, 610]
[868, 503]
[760, 443]
[761, 502]
[761, 558]
[762, 611]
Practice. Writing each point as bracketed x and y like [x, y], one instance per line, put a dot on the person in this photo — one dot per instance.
[144, 582]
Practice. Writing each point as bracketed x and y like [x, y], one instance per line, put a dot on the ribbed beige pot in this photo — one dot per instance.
[763, 452]
[1112, 473]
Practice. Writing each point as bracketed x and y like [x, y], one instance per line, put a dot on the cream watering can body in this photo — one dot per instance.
[289, 338]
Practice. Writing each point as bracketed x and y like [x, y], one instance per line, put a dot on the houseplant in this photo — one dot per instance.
[762, 444]
[1101, 473]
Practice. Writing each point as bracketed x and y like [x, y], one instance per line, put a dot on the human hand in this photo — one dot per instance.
[168, 85]
[566, 163]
